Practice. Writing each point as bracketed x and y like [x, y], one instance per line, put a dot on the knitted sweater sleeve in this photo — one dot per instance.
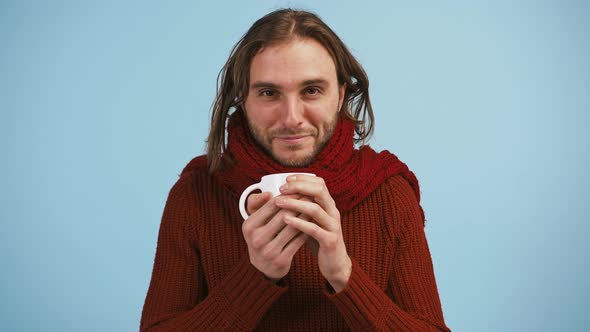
[413, 303]
[178, 297]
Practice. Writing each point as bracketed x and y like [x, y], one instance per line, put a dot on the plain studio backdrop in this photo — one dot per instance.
[103, 102]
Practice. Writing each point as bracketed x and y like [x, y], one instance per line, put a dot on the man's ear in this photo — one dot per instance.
[239, 103]
[341, 92]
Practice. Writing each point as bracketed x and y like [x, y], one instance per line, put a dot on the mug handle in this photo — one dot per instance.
[245, 195]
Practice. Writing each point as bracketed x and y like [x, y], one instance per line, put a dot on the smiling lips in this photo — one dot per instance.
[292, 139]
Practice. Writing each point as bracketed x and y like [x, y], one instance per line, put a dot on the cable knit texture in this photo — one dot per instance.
[339, 164]
[202, 278]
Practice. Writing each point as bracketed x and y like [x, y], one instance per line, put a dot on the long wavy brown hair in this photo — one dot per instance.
[277, 27]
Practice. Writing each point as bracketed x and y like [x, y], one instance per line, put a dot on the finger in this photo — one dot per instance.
[256, 201]
[323, 237]
[301, 198]
[302, 215]
[263, 235]
[283, 238]
[303, 177]
[261, 216]
[263, 225]
[313, 187]
[267, 211]
[306, 208]
[293, 247]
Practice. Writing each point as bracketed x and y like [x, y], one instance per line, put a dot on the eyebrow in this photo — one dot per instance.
[262, 84]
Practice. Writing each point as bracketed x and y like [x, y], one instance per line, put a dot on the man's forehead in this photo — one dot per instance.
[278, 85]
[298, 62]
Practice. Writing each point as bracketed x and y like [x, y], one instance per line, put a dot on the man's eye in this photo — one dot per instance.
[267, 93]
[312, 91]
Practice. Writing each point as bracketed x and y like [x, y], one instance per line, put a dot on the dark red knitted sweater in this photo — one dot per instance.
[203, 281]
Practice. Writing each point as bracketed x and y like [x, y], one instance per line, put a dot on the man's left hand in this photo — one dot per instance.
[333, 260]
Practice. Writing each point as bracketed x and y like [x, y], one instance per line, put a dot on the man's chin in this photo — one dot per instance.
[295, 160]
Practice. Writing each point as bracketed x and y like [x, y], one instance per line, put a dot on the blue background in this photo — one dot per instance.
[103, 102]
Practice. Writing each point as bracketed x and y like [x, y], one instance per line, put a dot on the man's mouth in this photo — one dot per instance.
[292, 139]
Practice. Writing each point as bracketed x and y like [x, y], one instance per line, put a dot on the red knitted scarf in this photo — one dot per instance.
[350, 174]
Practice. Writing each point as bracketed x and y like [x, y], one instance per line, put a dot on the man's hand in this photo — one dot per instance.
[333, 260]
[271, 243]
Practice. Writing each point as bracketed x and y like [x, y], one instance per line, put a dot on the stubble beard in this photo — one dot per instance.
[265, 142]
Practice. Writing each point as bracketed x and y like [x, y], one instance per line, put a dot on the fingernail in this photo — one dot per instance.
[283, 187]
[280, 201]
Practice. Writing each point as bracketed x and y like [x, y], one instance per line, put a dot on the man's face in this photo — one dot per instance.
[293, 100]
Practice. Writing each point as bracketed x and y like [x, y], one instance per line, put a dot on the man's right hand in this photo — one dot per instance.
[272, 244]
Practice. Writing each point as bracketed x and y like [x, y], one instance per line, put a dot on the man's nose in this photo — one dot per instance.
[292, 114]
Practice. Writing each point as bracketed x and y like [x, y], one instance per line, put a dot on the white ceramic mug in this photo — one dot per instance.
[269, 183]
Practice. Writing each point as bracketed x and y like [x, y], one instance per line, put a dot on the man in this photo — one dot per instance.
[344, 250]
